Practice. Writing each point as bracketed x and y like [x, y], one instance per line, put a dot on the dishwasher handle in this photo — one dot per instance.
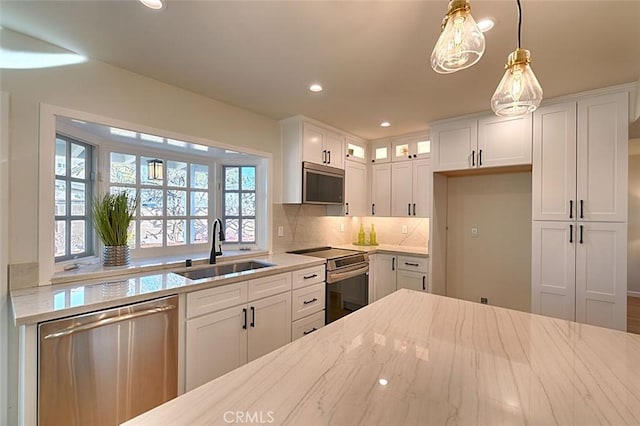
[107, 321]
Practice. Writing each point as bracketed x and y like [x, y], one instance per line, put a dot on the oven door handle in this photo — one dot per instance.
[333, 277]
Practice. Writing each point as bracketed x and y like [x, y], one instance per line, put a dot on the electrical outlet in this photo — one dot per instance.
[484, 300]
[280, 231]
[404, 229]
[474, 232]
[342, 227]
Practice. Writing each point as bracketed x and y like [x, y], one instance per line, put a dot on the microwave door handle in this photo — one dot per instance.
[335, 277]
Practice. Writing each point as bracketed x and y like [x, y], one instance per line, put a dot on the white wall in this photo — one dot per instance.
[633, 251]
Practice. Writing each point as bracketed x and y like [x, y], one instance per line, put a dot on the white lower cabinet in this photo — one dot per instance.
[579, 272]
[385, 275]
[307, 325]
[308, 301]
[269, 324]
[412, 273]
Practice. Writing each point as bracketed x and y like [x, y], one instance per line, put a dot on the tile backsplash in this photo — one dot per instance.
[308, 225]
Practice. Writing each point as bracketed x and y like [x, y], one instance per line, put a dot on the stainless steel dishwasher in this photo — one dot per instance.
[106, 367]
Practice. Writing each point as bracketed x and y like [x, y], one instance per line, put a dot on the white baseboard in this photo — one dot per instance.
[633, 293]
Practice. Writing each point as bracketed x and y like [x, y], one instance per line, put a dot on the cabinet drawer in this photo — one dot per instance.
[308, 276]
[307, 300]
[217, 298]
[407, 263]
[307, 325]
[268, 286]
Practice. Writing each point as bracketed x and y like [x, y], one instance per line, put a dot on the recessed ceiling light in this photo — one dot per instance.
[383, 382]
[315, 88]
[153, 4]
[385, 124]
[486, 24]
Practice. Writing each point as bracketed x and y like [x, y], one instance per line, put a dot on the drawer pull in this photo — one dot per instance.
[411, 264]
[310, 331]
[306, 302]
[308, 277]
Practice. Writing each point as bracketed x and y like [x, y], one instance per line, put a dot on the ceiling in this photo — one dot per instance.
[372, 57]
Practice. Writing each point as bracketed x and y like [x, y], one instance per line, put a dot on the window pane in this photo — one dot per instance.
[144, 172]
[231, 201]
[60, 238]
[176, 203]
[151, 202]
[131, 234]
[248, 178]
[123, 168]
[199, 203]
[78, 199]
[61, 157]
[231, 178]
[61, 197]
[249, 204]
[199, 176]
[77, 236]
[199, 231]
[151, 233]
[424, 147]
[176, 232]
[248, 230]
[402, 150]
[78, 161]
[231, 230]
[177, 174]
[131, 192]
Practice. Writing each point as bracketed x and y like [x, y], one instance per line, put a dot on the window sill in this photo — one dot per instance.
[96, 270]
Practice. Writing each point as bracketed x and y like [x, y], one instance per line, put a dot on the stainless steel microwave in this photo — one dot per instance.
[322, 184]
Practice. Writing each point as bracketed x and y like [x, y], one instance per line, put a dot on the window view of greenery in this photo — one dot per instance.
[239, 203]
[173, 210]
[73, 229]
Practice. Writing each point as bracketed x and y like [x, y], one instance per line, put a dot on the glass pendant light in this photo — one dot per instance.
[461, 43]
[519, 92]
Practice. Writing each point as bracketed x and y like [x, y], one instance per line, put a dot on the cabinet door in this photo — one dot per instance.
[454, 145]
[554, 162]
[313, 144]
[412, 280]
[553, 269]
[385, 275]
[355, 193]
[603, 144]
[401, 189]
[269, 324]
[381, 152]
[373, 262]
[422, 188]
[381, 190]
[601, 274]
[334, 147]
[402, 150]
[355, 150]
[504, 141]
[216, 344]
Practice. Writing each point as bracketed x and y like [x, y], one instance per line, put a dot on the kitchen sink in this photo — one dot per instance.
[223, 269]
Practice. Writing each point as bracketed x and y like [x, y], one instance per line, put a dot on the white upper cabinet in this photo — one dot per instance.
[322, 146]
[411, 188]
[554, 162]
[356, 150]
[355, 193]
[486, 142]
[380, 190]
[410, 148]
[603, 149]
[580, 166]
[422, 187]
[380, 152]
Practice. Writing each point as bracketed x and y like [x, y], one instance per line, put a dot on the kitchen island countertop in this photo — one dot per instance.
[417, 358]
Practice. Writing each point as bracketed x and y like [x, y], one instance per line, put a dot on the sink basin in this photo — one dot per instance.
[223, 269]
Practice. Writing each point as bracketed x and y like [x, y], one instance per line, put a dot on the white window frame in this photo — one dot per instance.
[47, 267]
[240, 217]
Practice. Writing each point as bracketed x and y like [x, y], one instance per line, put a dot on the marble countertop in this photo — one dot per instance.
[36, 304]
[417, 358]
[389, 248]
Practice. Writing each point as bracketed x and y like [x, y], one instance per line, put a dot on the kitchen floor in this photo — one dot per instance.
[633, 315]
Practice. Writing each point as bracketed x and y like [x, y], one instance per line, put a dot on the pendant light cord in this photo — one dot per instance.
[519, 22]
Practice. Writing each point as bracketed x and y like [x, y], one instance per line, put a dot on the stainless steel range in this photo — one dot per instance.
[347, 277]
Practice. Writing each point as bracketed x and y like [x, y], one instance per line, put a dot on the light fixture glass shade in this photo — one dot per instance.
[155, 169]
[461, 43]
[519, 92]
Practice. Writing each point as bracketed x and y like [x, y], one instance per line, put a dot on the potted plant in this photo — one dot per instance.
[112, 214]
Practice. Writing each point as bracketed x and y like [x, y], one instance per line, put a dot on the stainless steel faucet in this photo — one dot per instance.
[214, 252]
